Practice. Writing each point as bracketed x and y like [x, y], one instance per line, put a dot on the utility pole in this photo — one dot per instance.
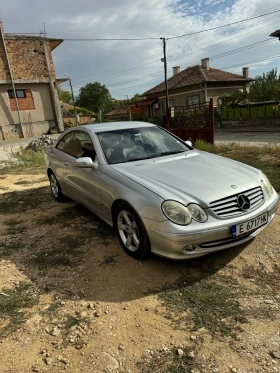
[129, 112]
[73, 98]
[166, 84]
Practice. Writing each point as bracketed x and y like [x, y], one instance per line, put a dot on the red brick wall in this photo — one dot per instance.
[26, 103]
[27, 59]
[70, 118]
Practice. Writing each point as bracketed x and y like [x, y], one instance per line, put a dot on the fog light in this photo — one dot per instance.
[189, 248]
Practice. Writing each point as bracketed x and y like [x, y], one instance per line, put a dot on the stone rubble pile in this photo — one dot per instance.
[41, 143]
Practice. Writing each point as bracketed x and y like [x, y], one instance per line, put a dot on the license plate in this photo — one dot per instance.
[250, 225]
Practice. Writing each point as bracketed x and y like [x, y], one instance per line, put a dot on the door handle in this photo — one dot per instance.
[66, 163]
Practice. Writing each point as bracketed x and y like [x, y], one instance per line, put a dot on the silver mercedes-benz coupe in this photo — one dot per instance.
[159, 193]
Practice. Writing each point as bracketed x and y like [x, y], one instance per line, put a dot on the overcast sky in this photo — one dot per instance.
[128, 67]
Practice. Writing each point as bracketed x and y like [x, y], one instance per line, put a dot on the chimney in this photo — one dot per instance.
[205, 63]
[176, 70]
[245, 72]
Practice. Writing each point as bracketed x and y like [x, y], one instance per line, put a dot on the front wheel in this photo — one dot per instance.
[131, 232]
[55, 188]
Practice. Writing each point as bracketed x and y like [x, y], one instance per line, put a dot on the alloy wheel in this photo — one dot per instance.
[128, 230]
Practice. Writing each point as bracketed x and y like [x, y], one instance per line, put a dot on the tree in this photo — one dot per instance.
[64, 96]
[266, 87]
[95, 97]
[136, 97]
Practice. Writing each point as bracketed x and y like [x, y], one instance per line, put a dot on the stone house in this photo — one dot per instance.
[29, 104]
[196, 85]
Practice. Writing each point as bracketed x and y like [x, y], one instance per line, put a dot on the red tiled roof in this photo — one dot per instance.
[196, 75]
[118, 111]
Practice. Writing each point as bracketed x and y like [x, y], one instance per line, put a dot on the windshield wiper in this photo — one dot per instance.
[172, 152]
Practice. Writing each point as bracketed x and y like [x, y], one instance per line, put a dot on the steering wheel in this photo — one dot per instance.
[128, 152]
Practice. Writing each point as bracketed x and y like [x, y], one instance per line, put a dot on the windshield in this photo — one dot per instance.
[134, 144]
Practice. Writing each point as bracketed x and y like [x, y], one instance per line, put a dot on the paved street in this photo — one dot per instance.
[256, 138]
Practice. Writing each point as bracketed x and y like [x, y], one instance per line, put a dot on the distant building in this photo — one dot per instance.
[27, 62]
[196, 85]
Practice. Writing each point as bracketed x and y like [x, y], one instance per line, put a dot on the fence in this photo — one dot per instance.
[250, 126]
[250, 112]
[187, 123]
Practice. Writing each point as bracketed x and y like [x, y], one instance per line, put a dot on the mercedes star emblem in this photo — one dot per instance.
[243, 202]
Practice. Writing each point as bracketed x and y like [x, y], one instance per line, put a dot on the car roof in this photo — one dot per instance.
[111, 126]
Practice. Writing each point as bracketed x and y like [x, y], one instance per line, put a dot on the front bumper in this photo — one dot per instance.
[170, 241]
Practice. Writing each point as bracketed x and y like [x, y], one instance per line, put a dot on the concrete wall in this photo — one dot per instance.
[42, 117]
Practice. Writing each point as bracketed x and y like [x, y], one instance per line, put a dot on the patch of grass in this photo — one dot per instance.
[11, 248]
[13, 227]
[265, 158]
[23, 182]
[212, 303]
[12, 305]
[51, 258]
[69, 214]
[263, 278]
[28, 162]
[70, 322]
[72, 242]
[169, 362]
[109, 261]
[59, 256]
[19, 201]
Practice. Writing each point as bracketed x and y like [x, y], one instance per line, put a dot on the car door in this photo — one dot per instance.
[85, 181]
[60, 162]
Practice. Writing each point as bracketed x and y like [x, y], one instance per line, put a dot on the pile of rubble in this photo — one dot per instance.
[41, 143]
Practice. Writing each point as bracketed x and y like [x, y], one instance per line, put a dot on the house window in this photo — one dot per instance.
[192, 101]
[170, 103]
[20, 93]
[25, 100]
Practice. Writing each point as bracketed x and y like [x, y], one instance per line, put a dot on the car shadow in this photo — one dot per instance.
[65, 249]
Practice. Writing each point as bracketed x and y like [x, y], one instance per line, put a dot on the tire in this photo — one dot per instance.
[131, 232]
[55, 188]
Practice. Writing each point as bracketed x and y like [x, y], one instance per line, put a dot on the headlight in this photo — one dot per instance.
[197, 213]
[182, 215]
[268, 187]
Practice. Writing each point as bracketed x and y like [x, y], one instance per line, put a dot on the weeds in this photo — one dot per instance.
[211, 302]
[169, 362]
[11, 305]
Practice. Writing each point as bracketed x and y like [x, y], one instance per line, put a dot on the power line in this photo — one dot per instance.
[218, 27]
[233, 51]
[178, 55]
[272, 57]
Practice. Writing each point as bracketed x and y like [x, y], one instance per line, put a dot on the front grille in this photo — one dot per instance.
[228, 207]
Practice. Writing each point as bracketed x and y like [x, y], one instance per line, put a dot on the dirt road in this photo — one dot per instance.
[70, 298]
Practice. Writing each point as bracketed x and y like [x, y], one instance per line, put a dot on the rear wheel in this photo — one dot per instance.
[131, 232]
[55, 188]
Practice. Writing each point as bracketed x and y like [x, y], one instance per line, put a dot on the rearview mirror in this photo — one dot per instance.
[86, 162]
[189, 143]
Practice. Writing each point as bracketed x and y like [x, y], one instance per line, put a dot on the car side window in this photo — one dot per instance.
[64, 141]
[77, 144]
[87, 145]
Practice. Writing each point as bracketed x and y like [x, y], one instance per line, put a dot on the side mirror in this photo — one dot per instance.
[86, 162]
[189, 143]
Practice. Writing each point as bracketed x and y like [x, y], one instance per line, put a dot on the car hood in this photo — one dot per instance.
[195, 176]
